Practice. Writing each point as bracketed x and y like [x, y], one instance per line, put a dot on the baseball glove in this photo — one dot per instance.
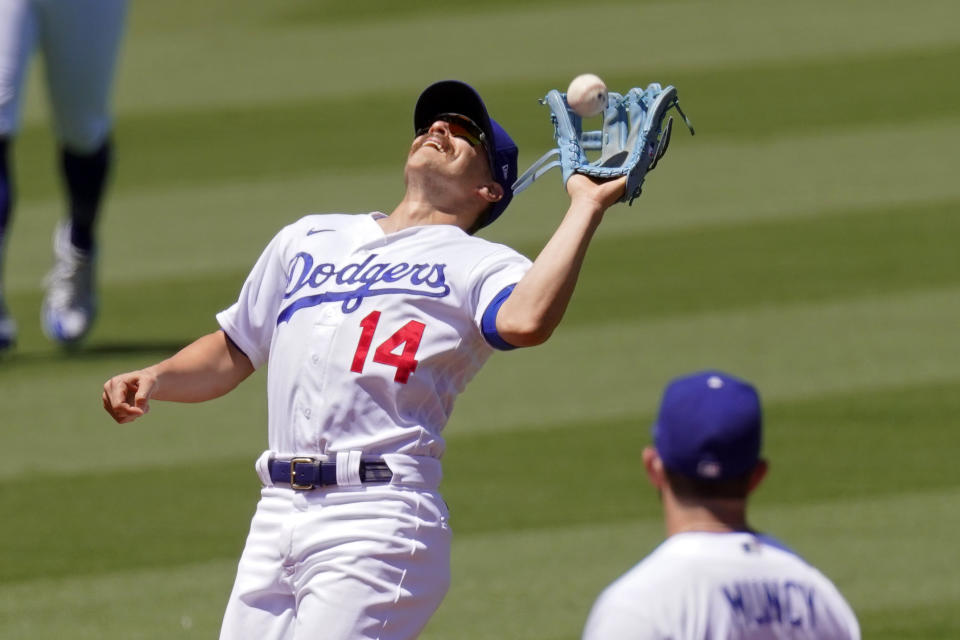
[633, 139]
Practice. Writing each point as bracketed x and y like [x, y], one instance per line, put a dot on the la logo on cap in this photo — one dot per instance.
[709, 469]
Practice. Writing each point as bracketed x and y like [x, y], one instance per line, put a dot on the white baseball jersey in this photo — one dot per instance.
[709, 586]
[369, 337]
[79, 40]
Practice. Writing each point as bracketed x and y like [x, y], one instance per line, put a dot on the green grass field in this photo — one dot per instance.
[806, 239]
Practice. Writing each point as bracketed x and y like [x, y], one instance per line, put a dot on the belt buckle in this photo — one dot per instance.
[293, 474]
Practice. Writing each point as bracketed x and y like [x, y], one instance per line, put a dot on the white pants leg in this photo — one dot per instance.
[262, 604]
[18, 33]
[80, 40]
[343, 564]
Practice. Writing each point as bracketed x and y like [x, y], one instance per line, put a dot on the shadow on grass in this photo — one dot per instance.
[147, 347]
[93, 352]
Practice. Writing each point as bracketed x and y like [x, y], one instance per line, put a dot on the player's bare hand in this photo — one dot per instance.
[600, 193]
[126, 397]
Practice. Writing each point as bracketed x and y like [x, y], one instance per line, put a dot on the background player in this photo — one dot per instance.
[79, 40]
[714, 576]
[372, 325]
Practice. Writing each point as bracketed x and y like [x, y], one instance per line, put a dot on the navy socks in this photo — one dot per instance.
[6, 192]
[85, 176]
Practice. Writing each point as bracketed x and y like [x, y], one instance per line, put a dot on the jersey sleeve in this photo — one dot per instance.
[837, 611]
[250, 321]
[495, 277]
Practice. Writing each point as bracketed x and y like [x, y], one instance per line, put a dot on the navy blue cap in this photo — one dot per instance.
[453, 96]
[709, 426]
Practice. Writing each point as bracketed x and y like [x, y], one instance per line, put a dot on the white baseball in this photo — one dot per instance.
[587, 95]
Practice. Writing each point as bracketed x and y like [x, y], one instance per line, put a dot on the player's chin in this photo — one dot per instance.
[423, 161]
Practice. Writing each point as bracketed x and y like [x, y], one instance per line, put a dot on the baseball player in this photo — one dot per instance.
[79, 40]
[370, 326]
[715, 577]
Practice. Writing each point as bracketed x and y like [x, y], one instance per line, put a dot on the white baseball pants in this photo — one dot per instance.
[79, 40]
[342, 564]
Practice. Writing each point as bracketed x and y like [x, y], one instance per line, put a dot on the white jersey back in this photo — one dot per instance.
[369, 336]
[710, 586]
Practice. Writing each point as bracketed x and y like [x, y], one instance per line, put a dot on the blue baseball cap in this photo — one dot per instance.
[709, 426]
[453, 96]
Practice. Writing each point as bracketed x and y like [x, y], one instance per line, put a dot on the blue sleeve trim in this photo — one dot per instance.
[488, 324]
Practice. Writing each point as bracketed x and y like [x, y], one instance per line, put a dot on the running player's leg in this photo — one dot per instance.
[80, 41]
[17, 39]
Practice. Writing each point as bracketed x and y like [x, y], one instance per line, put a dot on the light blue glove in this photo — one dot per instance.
[631, 142]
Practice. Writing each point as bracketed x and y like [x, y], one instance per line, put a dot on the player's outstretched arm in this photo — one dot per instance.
[537, 304]
[206, 369]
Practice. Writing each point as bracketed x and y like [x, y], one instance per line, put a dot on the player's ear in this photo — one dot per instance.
[654, 467]
[490, 191]
[757, 475]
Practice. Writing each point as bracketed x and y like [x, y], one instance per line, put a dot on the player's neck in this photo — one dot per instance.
[413, 212]
[719, 516]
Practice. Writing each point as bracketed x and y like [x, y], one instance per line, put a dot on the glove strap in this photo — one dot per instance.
[536, 170]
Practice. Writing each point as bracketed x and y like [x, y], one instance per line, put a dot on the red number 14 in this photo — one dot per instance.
[409, 336]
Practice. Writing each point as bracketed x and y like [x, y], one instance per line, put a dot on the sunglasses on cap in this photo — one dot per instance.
[460, 127]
